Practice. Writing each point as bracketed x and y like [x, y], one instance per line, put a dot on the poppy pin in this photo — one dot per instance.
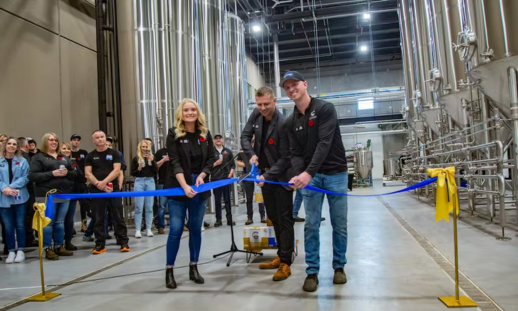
[310, 123]
[17, 163]
[60, 158]
[224, 154]
[74, 164]
[270, 141]
[202, 139]
[78, 159]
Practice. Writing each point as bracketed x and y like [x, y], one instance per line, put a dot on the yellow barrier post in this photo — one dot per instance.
[447, 200]
[43, 296]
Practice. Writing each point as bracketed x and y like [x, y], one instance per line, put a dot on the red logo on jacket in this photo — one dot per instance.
[310, 123]
[270, 141]
[17, 163]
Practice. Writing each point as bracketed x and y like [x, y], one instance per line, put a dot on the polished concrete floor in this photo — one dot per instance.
[388, 268]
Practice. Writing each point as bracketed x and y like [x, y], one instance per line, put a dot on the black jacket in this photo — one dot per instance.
[315, 140]
[277, 144]
[221, 171]
[146, 171]
[180, 162]
[79, 183]
[40, 173]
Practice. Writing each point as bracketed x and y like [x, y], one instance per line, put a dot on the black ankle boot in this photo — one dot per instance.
[194, 275]
[169, 278]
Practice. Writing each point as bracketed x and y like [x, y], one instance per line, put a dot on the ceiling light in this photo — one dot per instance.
[256, 28]
[363, 48]
[366, 16]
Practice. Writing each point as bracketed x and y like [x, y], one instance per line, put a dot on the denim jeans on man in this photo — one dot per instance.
[56, 228]
[338, 212]
[144, 184]
[162, 201]
[177, 210]
[14, 220]
[297, 203]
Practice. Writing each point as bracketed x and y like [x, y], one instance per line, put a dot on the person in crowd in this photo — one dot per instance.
[191, 150]
[50, 169]
[3, 138]
[66, 149]
[33, 150]
[80, 156]
[163, 166]
[30, 241]
[120, 180]
[249, 187]
[144, 168]
[223, 168]
[111, 140]
[318, 159]
[271, 155]
[102, 168]
[14, 171]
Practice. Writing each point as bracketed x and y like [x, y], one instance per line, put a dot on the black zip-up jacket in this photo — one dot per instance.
[79, 183]
[221, 171]
[180, 162]
[315, 141]
[40, 173]
[146, 171]
[277, 144]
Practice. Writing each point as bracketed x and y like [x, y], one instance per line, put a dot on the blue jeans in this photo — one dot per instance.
[69, 220]
[297, 203]
[56, 228]
[14, 220]
[144, 184]
[162, 201]
[338, 211]
[177, 211]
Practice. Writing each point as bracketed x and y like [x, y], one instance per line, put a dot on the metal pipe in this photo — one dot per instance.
[101, 76]
[277, 69]
[513, 96]
[318, 18]
[409, 74]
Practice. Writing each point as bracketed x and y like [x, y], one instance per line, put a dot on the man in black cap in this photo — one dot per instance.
[270, 154]
[32, 147]
[318, 159]
[79, 156]
[223, 168]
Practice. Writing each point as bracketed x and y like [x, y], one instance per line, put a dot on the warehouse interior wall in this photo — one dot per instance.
[49, 48]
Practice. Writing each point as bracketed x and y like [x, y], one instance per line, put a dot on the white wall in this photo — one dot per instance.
[255, 79]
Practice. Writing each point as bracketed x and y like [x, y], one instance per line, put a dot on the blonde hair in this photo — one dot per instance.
[3, 150]
[68, 146]
[44, 140]
[142, 157]
[201, 124]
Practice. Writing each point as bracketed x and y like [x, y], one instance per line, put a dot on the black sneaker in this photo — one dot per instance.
[99, 249]
[298, 219]
[88, 238]
[249, 222]
[311, 283]
[218, 223]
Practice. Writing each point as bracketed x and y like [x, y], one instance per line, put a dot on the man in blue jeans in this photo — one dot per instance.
[318, 159]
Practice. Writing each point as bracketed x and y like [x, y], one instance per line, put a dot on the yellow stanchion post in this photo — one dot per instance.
[43, 296]
[446, 200]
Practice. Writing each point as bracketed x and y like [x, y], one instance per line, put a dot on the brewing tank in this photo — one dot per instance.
[363, 162]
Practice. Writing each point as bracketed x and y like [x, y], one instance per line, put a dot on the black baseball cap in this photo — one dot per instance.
[291, 75]
[218, 135]
[75, 136]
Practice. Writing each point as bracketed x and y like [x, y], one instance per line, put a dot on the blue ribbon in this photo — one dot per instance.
[413, 187]
[172, 192]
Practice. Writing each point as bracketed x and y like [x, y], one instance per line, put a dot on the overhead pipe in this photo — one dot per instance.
[319, 18]
[277, 69]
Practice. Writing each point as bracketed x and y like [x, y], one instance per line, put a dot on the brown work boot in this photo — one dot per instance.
[50, 254]
[276, 262]
[311, 283]
[282, 273]
[340, 277]
[62, 251]
[161, 231]
[83, 225]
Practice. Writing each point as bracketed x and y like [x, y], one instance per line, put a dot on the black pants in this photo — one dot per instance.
[225, 192]
[84, 204]
[29, 215]
[350, 182]
[279, 207]
[249, 187]
[115, 209]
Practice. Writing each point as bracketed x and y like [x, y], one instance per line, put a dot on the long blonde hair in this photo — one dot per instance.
[142, 157]
[201, 124]
[3, 150]
[44, 140]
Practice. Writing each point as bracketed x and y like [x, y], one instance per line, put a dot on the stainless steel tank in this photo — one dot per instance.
[391, 167]
[363, 162]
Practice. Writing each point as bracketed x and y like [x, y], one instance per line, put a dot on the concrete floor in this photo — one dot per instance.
[387, 269]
